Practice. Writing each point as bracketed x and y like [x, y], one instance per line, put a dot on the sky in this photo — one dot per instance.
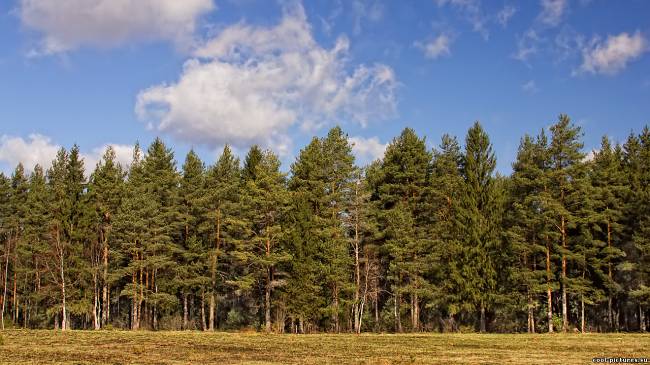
[204, 73]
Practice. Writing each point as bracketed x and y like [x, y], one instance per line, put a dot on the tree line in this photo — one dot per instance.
[419, 240]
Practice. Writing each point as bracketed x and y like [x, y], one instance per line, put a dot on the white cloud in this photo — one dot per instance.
[471, 10]
[553, 11]
[612, 55]
[254, 84]
[437, 47]
[36, 149]
[41, 150]
[69, 24]
[364, 10]
[123, 155]
[504, 15]
[530, 87]
[367, 150]
[527, 45]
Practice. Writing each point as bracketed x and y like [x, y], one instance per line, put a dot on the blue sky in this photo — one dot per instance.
[201, 73]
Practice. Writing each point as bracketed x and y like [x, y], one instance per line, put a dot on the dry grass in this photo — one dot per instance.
[123, 347]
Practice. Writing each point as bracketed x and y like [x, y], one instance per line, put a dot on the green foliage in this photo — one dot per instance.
[419, 240]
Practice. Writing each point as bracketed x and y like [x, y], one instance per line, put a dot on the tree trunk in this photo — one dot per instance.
[185, 319]
[549, 294]
[565, 314]
[398, 321]
[267, 289]
[204, 327]
[96, 317]
[4, 291]
[336, 308]
[105, 299]
[609, 276]
[531, 320]
[214, 272]
[64, 315]
[482, 321]
[267, 302]
[582, 314]
[642, 325]
[357, 275]
[415, 312]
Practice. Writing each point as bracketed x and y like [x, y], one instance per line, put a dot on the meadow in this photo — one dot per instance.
[140, 347]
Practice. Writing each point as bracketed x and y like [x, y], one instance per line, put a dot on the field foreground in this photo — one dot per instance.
[123, 347]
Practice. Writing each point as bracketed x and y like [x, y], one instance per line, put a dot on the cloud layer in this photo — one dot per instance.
[367, 150]
[41, 150]
[612, 55]
[253, 84]
[437, 47]
[69, 24]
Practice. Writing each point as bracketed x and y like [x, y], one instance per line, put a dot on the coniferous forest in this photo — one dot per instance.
[420, 240]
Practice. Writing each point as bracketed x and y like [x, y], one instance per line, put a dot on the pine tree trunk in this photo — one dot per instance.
[531, 320]
[609, 275]
[267, 302]
[482, 324]
[267, 289]
[357, 277]
[214, 272]
[336, 308]
[549, 294]
[565, 318]
[64, 319]
[4, 291]
[105, 299]
[642, 325]
[204, 326]
[398, 320]
[96, 318]
[582, 314]
[185, 317]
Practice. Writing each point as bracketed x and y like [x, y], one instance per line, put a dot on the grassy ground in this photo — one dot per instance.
[122, 347]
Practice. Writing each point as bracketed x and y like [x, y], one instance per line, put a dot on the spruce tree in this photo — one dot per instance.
[479, 225]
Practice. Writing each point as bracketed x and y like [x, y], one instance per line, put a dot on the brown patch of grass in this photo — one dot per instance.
[126, 347]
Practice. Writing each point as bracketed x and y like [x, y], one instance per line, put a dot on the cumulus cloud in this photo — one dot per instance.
[367, 150]
[41, 150]
[612, 55]
[36, 149]
[253, 84]
[437, 47]
[553, 11]
[69, 24]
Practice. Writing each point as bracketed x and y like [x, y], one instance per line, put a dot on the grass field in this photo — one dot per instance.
[122, 347]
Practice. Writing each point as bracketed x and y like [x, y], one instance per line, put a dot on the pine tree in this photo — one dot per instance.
[565, 172]
[265, 199]
[638, 150]
[608, 182]
[37, 232]
[526, 225]
[191, 255]
[404, 176]
[221, 222]
[5, 234]
[104, 195]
